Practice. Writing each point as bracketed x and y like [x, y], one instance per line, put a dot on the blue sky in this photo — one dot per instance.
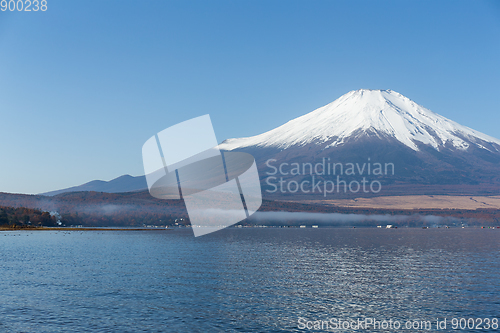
[86, 83]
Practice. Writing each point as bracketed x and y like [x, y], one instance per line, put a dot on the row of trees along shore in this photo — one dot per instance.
[16, 218]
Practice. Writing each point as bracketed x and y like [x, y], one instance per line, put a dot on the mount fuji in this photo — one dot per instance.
[381, 113]
[431, 154]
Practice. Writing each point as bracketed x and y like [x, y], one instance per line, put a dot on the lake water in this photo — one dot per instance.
[244, 280]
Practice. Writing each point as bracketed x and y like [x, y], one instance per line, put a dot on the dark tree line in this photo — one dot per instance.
[25, 217]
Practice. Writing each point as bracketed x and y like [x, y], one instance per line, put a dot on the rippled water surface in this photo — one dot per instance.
[243, 280]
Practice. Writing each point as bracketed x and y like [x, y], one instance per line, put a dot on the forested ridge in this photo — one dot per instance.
[135, 209]
[25, 217]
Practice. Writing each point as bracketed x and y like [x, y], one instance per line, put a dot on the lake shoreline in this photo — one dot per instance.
[78, 229]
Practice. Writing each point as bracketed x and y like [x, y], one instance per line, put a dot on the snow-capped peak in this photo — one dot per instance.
[362, 112]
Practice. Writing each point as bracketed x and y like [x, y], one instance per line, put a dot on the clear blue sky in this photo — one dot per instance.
[86, 83]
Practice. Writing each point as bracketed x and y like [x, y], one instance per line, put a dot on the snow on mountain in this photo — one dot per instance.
[369, 112]
[431, 154]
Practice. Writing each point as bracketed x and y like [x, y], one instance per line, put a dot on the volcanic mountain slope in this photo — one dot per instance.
[432, 153]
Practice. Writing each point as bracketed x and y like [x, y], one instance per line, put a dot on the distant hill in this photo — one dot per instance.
[125, 183]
